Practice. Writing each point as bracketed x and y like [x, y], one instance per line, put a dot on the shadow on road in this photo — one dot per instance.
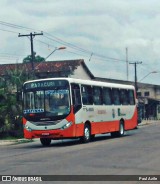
[73, 142]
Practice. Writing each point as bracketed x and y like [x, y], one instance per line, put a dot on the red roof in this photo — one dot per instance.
[46, 67]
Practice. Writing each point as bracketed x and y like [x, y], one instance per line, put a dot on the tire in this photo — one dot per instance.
[121, 131]
[45, 141]
[87, 134]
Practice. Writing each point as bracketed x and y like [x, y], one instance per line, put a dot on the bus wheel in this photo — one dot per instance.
[87, 134]
[121, 129]
[45, 141]
[120, 133]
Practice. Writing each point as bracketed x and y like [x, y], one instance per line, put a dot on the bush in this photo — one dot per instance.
[10, 117]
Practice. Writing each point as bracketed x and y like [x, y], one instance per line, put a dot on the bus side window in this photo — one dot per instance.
[76, 97]
[116, 96]
[131, 97]
[97, 96]
[124, 96]
[87, 96]
[107, 98]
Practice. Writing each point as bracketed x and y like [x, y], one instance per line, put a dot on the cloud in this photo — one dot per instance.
[97, 26]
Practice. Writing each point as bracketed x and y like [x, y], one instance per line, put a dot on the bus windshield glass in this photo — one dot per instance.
[46, 100]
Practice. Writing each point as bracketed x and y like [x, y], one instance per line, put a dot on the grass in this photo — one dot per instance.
[7, 138]
[15, 140]
[24, 141]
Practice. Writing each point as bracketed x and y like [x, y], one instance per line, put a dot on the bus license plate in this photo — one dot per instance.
[45, 134]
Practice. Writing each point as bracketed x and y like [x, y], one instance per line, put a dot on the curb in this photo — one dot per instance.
[16, 141]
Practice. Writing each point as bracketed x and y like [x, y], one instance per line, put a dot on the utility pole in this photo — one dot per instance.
[31, 35]
[127, 62]
[135, 67]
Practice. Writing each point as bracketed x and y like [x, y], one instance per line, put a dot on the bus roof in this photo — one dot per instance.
[87, 82]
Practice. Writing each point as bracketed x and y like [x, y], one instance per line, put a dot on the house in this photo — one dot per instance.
[149, 100]
[66, 68]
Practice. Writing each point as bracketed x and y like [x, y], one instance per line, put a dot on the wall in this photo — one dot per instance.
[151, 91]
[154, 90]
[80, 73]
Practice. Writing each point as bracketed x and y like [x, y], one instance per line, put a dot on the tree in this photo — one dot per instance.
[37, 58]
[10, 108]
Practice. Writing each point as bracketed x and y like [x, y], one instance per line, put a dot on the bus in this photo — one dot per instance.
[65, 108]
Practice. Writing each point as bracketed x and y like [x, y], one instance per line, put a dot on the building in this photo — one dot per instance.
[148, 95]
[66, 68]
[149, 100]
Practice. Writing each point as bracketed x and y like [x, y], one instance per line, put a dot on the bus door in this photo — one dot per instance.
[77, 106]
[76, 98]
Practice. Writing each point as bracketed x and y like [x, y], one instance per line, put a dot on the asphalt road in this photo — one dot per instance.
[137, 153]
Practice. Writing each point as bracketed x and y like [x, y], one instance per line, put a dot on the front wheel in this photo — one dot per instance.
[87, 134]
[45, 141]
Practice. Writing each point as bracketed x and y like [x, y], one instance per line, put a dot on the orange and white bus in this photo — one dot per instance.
[60, 108]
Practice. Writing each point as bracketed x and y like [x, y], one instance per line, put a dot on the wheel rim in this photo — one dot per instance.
[87, 133]
[121, 129]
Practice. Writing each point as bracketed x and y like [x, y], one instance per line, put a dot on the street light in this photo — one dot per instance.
[59, 48]
[147, 75]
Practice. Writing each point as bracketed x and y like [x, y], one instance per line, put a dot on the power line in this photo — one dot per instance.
[53, 38]
[8, 31]
[58, 40]
[11, 55]
[15, 26]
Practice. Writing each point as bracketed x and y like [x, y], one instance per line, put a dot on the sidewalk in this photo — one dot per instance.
[148, 122]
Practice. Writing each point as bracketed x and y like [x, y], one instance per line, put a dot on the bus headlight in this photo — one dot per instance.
[27, 128]
[67, 125]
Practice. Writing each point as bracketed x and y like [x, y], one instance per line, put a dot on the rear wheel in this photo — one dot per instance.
[121, 131]
[45, 141]
[87, 134]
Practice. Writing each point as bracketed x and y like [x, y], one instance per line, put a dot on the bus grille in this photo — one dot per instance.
[44, 123]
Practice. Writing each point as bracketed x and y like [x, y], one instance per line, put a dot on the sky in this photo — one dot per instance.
[105, 33]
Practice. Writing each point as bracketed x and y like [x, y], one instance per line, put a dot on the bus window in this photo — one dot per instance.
[87, 96]
[124, 96]
[116, 97]
[97, 96]
[131, 97]
[76, 97]
[107, 99]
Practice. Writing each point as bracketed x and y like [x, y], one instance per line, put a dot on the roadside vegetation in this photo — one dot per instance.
[10, 103]
[10, 106]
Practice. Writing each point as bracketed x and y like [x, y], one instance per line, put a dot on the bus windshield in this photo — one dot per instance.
[50, 102]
